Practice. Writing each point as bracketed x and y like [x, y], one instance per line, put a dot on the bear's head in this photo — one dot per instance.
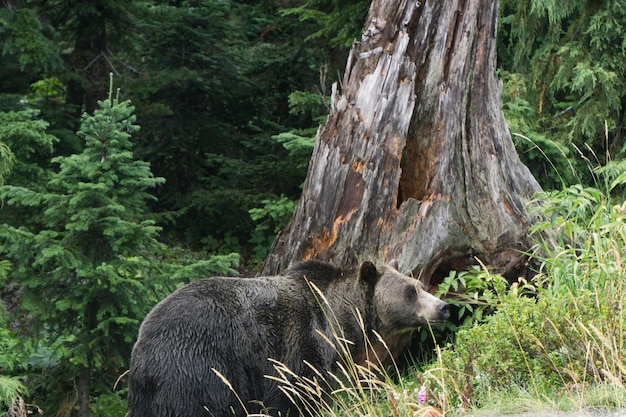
[401, 302]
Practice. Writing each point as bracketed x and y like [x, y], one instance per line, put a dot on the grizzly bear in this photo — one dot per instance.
[207, 349]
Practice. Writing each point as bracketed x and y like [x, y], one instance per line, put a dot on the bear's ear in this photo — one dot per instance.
[394, 264]
[368, 272]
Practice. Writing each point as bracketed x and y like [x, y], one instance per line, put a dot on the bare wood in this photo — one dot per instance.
[416, 161]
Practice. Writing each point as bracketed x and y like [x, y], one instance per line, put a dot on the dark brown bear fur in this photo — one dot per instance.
[234, 325]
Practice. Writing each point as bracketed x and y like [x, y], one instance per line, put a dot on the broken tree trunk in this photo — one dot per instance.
[416, 161]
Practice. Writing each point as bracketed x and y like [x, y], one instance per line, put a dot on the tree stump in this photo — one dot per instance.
[415, 161]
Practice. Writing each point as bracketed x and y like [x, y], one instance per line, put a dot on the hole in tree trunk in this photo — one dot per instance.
[416, 173]
[440, 267]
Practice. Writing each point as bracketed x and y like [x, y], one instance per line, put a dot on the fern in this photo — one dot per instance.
[10, 389]
[569, 58]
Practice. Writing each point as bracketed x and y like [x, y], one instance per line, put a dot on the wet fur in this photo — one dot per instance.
[234, 325]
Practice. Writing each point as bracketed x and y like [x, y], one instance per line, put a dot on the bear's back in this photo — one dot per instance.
[322, 274]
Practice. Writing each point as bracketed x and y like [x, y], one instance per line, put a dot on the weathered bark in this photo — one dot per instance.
[416, 161]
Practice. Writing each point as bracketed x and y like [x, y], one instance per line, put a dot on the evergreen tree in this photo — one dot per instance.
[565, 91]
[212, 89]
[25, 147]
[211, 80]
[27, 50]
[86, 265]
[339, 22]
[6, 161]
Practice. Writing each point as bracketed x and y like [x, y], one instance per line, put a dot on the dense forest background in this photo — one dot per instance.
[144, 144]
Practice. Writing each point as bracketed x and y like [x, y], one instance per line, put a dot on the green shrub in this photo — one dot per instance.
[109, 405]
[565, 332]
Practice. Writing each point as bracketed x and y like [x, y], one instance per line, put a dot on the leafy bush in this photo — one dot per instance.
[272, 218]
[110, 405]
[564, 332]
[474, 292]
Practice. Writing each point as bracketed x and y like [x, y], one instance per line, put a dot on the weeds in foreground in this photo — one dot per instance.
[560, 341]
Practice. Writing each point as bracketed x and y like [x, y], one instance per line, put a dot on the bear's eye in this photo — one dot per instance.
[410, 293]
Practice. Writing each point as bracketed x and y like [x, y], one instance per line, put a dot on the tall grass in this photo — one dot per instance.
[356, 389]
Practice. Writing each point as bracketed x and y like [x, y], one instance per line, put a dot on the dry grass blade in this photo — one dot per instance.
[230, 387]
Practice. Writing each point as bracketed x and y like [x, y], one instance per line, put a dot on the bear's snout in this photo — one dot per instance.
[432, 309]
[440, 312]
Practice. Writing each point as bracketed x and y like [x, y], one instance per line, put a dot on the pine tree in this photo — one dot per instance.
[85, 265]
